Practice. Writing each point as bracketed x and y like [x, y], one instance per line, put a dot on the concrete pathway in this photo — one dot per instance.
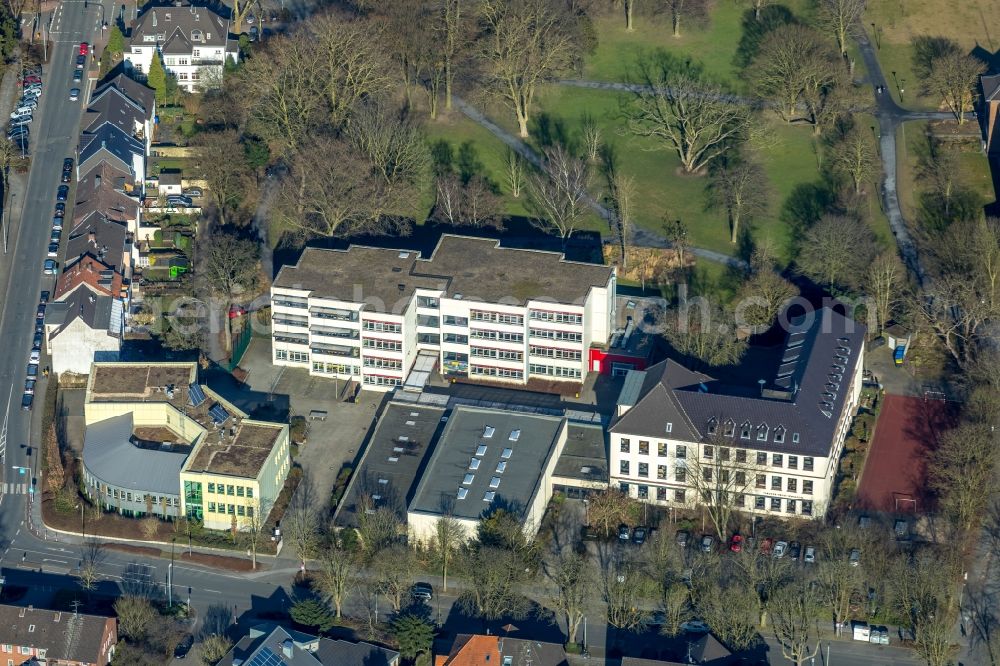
[640, 237]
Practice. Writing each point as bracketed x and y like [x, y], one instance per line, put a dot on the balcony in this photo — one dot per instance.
[428, 321]
[455, 339]
[344, 333]
[336, 350]
[427, 302]
[289, 302]
[332, 313]
[450, 320]
[288, 321]
[291, 339]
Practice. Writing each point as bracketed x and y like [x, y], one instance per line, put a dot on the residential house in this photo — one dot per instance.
[489, 650]
[702, 649]
[991, 112]
[114, 105]
[31, 635]
[680, 437]
[159, 442]
[138, 93]
[274, 645]
[473, 309]
[108, 142]
[193, 42]
[106, 192]
[169, 182]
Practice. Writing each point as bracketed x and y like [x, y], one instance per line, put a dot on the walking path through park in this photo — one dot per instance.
[640, 237]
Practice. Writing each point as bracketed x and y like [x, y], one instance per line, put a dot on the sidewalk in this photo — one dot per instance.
[9, 93]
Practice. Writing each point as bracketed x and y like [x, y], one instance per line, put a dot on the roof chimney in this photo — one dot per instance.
[287, 648]
[92, 237]
[97, 180]
[154, 18]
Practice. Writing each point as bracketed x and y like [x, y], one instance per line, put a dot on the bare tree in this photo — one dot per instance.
[135, 616]
[449, 536]
[680, 107]
[229, 267]
[523, 43]
[378, 527]
[841, 18]
[794, 61]
[962, 469]
[608, 508]
[722, 477]
[676, 233]
[471, 203]
[570, 574]
[494, 576]
[884, 281]
[757, 6]
[336, 575]
[836, 250]
[764, 294]
[685, 10]
[349, 61]
[558, 192]
[953, 78]
[838, 582]
[711, 337]
[213, 648]
[300, 524]
[665, 567]
[92, 556]
[934, 638]
[796, 607]
[592, 137]
[741, 189]
[623, 194]
[239, 12]
[622, 589]
[628, 6]
[453, 27]
[514, 172]
[730, 612]
[219, 160]
[393, 574]
[855, 157]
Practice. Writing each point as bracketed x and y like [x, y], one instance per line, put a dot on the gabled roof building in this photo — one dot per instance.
[272, 645]
[784, 435]
[31, 635]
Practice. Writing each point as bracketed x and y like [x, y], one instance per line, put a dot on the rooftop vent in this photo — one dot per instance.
[404, 255]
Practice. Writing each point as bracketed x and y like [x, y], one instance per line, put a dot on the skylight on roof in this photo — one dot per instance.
[383, 481]
[507, 453]
[474, 463]
[469, 478]
[488, 497]
[393, 459]
[462, 492]
[501, 467]
[411, 423]
[481, 450]
[514, 435]
[488, 431]
[495, 482]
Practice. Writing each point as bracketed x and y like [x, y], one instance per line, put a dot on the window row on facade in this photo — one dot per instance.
[740, 501]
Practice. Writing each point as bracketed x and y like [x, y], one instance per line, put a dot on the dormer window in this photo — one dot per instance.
[779, 435]
[730, 428]
[762, 432]
[196, 35]
[745, 430]
[795, 438]
[713, 426]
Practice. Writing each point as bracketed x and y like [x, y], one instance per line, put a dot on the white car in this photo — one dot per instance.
[780, 549]
[695, 627]
[810, 555]
[35, 355]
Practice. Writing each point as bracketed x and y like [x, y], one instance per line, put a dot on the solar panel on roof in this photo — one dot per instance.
[218, 414]
[266, 658]
[196, 395]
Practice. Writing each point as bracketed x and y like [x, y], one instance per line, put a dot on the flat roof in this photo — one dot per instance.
[141, 382]
[239, 450]
[110, 455]
[395, 453]
[486, 451]
[585, 454]
[477, 269]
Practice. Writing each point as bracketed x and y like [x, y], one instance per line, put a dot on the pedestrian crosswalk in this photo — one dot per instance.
[15, 489]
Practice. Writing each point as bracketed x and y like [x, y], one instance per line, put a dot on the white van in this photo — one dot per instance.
[18, 114]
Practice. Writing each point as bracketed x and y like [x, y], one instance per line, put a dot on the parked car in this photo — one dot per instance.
[34, 356]
[62, 193]
[36, 341]
[32, 372]
[61, 209]
[26, 401]
[780, 549]
[901, 528]
[21, 120]
[57, 223]
[84, 48]
[736, 543]
[766, 545]
[30, 103]
[193, 192]
[31, 93]
[67, 176]
[707, 541]
[44, 296]
[794, 550]
[81, 61]
[40, 312]
[682, 538]
[422, 591]
[50, 267]
[19, 114]
[179, 201]
[74, 94]
[29, 386]
[53, 250]
[18, 131]
[809, 557]
[184, 645]
[67, 164]
[695, 627]
[639, 535]
[55, 236]
[624, 533]
[855, 557]
[77, 75]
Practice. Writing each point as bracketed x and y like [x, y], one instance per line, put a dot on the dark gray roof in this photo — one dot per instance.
[585, 454]
[110, 456]
[109, 142]
[395, 451]
[137, 92]
[164, 21]
[804, 396]
[99, 237]
[176, 44]
[295, 648]
[461, 266]
[531, 439]
[991, 87]
[114, 106]
[65, 636]
[94, 309]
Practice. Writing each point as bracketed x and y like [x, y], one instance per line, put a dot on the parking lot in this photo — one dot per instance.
[331, 442]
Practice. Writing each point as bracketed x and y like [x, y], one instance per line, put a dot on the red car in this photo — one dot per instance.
[766, 545]
[736, 543]
[31, 79]
[84, 48]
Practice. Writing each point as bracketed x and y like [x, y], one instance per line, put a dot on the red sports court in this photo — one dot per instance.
[908, 430]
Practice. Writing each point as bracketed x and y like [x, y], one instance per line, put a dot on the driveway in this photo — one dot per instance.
[330, 443]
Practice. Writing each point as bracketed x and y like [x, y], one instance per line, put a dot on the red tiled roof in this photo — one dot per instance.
[88, 271]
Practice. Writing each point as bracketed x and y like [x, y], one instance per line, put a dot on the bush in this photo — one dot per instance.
[297, 429]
